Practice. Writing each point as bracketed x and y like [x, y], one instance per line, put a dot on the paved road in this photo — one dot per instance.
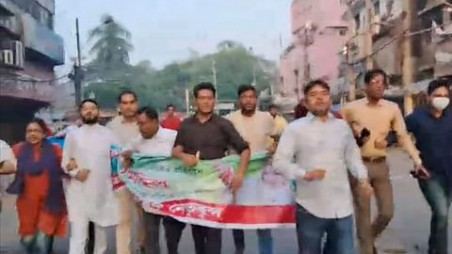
[407, 233]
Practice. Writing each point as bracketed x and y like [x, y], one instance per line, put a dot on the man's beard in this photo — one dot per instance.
[90, 121]
[246, 111]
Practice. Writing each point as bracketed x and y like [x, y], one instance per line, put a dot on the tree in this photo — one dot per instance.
[112, 43]
[234, 64]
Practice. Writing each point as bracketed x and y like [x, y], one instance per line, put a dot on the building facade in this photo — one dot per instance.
[318, 35]
[431, 34]
[29, 51]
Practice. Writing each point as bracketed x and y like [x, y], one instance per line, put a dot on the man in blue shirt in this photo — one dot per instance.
[432, 127]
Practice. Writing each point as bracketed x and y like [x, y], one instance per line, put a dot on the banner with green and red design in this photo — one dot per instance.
[200, 195]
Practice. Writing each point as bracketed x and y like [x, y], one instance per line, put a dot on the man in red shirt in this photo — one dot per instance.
[171, 121]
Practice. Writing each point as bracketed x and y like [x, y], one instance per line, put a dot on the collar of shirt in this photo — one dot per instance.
[311, 117]
[159, 134]
[122, 120]
[367, 102]
[194, 118]
[428, 111]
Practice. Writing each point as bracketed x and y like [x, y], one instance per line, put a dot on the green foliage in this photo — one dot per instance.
[234, 65]
[112, 43]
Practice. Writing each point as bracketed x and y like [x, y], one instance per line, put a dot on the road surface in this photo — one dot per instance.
[407, 233]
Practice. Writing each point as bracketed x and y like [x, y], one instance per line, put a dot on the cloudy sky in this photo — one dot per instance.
[164, 31]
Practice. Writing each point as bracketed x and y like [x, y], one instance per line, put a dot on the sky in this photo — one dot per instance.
[164, 31]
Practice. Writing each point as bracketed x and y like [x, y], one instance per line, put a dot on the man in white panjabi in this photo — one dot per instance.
[7, 167]
[89, 193]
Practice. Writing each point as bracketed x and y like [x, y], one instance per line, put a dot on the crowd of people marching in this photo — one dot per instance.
[337, 161]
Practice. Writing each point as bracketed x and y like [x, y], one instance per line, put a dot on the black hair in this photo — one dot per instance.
[437, 83]
[149, 112]
[41, 124]
[312, 84]
[86, 101]
[204, 86]
[170, 106]
[127, 92]
[272, 106]
[373, 73]
[246, 88]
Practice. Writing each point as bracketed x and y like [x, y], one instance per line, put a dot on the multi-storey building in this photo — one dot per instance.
[432, 40]
[29, 51]
[318, 34]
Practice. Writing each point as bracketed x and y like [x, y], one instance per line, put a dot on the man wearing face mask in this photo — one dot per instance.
[432, 128]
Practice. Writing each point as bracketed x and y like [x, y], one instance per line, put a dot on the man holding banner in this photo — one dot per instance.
[316, 151]
[208, 136]
[125, 128]
[256, 127]
[154, 141]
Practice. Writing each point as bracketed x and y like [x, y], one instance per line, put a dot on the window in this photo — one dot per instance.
[357, 22]
[37, 11]
[377, 8]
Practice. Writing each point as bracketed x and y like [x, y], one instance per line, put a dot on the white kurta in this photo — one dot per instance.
[93, 199]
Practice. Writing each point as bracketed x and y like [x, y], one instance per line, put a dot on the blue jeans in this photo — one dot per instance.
[39, 243]
[439, 196]
[311, 229]
[264, 239]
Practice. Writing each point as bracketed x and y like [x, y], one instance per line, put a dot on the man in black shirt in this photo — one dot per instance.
[206, 136]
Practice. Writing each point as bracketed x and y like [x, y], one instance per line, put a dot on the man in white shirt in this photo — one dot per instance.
[256, 128]
[316, 151]
[154, 141]
[89, 194]
[7, 167]
[125, 129]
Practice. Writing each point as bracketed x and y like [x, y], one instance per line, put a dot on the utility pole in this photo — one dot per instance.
[409, 61]
[78, 69]
[187, 101]
[349, 74]
[214, 75]
[306, 43]
[368, 37]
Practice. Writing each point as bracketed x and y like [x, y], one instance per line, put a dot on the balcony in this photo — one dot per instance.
[10, 25]
[22, 88]
[42, 40]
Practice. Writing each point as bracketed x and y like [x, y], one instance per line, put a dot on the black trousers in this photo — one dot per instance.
[90, 242]
[152, 233]
[239, 239]
[207, 240]
[173, 233]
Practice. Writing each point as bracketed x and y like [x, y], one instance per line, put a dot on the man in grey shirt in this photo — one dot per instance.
[324, 150]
